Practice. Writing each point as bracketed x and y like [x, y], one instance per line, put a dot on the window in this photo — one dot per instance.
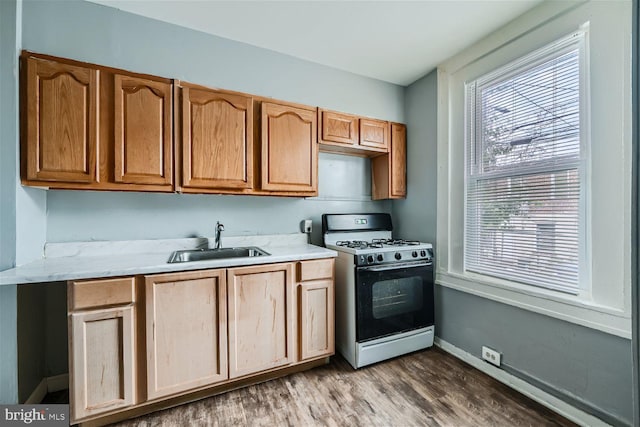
[524, 207]
[541, 218]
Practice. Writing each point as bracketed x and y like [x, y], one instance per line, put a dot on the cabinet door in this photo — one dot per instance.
[389, 171]
[374, 134]
[289, 149]
[143, 131]
[186, 331]
[316, 306]
[398, 158]
[261, 316]
[339, 128]
[102, 361]
[217, 139]
[61, 122]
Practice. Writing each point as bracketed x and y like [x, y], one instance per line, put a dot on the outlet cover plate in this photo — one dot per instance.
[491, 356]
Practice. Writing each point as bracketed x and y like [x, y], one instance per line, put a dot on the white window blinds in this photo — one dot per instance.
[523, 214]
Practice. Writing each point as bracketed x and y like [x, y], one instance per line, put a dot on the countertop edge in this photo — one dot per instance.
[33, 272]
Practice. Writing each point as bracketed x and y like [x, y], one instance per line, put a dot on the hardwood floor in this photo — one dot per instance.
[427, 388]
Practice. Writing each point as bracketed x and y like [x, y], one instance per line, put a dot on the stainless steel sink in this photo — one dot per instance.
[191, 255]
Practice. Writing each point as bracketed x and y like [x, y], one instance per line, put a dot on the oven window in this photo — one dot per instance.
[393, 300]
[397, 296]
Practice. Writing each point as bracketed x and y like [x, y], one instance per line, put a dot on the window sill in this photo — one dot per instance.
[570, 308]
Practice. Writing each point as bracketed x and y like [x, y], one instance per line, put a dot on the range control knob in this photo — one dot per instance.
[423, 253]
[380, 257]
[398, 255]
[414, 254]
[370, 258]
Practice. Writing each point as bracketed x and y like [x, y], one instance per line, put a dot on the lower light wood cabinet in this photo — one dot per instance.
[186, 331]
[102, 351]
[141, 343]
[101, 361]
[316, 310]
[261, 318]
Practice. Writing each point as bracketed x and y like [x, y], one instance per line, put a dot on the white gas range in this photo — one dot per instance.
[384, 288]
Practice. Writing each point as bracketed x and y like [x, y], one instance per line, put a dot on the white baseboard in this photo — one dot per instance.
[561, 407]
[48, 385]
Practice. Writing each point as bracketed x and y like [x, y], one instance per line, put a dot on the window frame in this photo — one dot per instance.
[474, 172]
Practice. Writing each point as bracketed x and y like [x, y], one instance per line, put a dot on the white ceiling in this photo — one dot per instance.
[394, 41]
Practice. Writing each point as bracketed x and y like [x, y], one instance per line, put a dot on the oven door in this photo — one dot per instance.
[393, 298]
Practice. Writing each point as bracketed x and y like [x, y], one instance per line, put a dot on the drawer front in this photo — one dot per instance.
[315, 269]
[98, 293]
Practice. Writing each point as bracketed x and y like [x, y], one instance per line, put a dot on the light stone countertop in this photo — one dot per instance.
[84, 260]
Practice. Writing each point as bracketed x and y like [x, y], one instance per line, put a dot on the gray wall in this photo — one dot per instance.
[95, 33]
[344, 183]
[415, 217]
[582, 366]
[8, 157]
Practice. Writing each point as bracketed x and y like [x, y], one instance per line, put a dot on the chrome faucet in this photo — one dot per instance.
[219, 230]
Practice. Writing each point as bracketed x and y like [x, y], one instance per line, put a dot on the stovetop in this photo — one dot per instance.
[384, 251]
[369, 238]
[376, 243]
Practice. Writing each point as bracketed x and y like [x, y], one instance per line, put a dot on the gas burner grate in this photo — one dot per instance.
[376, 243]
[353, 244]
[395, 242]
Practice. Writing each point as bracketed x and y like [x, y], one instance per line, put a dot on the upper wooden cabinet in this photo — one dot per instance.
[91, 127]
[398, 159]
[143, 132]
[217, 139]
[289, 149]
[60, 128]
[374, 134]
[338, 128]
[389, 171]
[346, 133]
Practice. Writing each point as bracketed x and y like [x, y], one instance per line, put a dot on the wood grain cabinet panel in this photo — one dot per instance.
[186, 327]
[101, 361]
[316, 313]
[339, 128]
[315, 269]
[61, 134]
[217, 139]
[289, 149]
[84, 294]
[261, 318]
[389, 171]
[398, 154]
[374, 133]
[143, 131]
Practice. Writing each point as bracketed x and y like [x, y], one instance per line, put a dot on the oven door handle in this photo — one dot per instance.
[396, 266]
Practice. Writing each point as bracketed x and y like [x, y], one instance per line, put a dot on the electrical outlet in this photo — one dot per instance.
[307, 225]
[491, 356]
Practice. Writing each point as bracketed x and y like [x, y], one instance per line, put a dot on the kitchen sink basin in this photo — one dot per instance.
[192, 255]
